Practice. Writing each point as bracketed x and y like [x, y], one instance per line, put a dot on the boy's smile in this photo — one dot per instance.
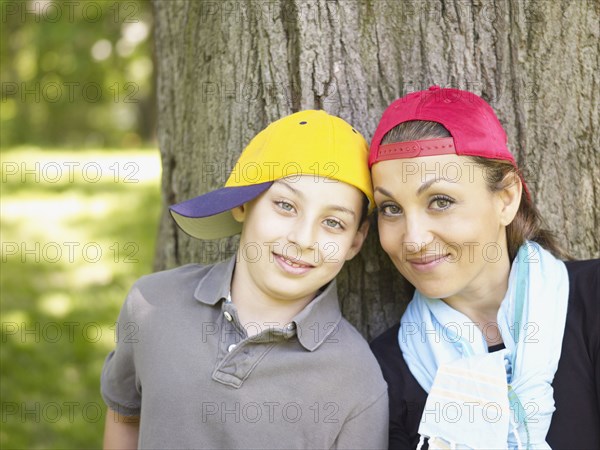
[295, 239]
[290, 266]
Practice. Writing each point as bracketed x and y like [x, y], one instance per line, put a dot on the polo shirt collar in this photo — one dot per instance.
[319, 319]
[216, 284]
[314, 324]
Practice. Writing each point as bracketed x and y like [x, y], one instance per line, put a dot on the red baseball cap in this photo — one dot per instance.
[474, 128]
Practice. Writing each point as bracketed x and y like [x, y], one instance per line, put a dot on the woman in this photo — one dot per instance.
[500, 345]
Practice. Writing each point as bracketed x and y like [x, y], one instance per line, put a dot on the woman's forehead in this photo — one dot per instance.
[454, 169]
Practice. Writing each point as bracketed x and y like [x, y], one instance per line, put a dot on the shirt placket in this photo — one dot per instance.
[240, 354]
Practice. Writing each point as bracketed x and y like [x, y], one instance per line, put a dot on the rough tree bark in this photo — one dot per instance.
[226, 69]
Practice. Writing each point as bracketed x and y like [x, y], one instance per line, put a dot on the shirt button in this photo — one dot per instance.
[231, 347]
[228, 316]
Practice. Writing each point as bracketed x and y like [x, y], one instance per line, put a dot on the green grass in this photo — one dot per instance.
[59, 296]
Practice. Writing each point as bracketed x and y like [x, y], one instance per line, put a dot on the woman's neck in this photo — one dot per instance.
[481, 301]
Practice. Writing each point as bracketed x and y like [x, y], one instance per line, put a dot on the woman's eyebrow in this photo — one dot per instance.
[428, 183]
[383, 191]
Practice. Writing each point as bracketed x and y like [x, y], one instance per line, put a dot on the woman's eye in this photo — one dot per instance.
[390, 210]
[333, 223]
[441, 203]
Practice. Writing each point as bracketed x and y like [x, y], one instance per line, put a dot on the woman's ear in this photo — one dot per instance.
[359, 239]
[239, 213]
[510, 196]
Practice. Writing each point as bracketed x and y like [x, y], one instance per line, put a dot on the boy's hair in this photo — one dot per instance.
[364, 211]
[305, 143]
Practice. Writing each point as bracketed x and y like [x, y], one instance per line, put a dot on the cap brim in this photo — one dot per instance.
[208, 216]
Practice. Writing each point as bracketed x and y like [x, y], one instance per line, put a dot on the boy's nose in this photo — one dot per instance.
[302, 234]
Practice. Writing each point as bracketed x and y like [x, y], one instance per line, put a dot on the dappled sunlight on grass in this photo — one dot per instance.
[71, 249]
[55, 304]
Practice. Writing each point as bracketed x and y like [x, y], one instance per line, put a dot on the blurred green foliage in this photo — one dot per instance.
[78, 226]
[59, 306]
[76, 73]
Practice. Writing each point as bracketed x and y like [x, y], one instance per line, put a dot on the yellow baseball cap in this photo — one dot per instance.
[304, 143]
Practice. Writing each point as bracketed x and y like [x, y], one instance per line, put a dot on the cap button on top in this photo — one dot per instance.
[435, 87]
[228, 316]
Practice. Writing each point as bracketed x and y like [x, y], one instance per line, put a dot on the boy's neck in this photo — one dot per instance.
[258, 311]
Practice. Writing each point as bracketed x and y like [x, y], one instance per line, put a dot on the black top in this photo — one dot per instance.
[576, 421]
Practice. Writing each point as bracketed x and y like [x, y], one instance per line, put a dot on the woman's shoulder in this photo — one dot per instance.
[584, 268]
[576, 417]
[386, 349]
[583, 314]
[386, 344]
[584, 284]
[407, 397]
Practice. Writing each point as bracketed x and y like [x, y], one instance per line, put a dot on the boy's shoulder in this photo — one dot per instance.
[177, 275]
[350, 350]
[182, 281]
[178, 279]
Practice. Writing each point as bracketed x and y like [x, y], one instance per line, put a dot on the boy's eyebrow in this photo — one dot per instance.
[332, 207]
[342, 209]
[295, 191]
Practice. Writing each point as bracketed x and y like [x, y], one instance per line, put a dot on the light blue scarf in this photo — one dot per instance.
[502, 399]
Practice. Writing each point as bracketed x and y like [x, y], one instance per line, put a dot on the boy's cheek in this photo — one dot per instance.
[334, 252]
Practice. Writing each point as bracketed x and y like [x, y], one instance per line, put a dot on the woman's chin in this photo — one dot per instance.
[433, 291]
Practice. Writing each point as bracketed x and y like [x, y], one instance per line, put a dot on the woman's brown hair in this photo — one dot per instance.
[527, 224]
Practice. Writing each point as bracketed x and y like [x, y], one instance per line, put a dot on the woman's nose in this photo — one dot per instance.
[417, 233]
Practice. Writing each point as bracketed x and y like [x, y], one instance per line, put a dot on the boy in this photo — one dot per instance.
[253, 352]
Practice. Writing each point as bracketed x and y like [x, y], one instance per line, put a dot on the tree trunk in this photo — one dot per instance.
[227, 69]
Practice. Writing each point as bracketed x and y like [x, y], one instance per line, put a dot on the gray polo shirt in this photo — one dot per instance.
[311, 383]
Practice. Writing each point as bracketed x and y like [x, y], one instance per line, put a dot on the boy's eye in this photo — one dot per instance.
[285, 206]
[333, 223]
[441, 202]
[389, 209]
